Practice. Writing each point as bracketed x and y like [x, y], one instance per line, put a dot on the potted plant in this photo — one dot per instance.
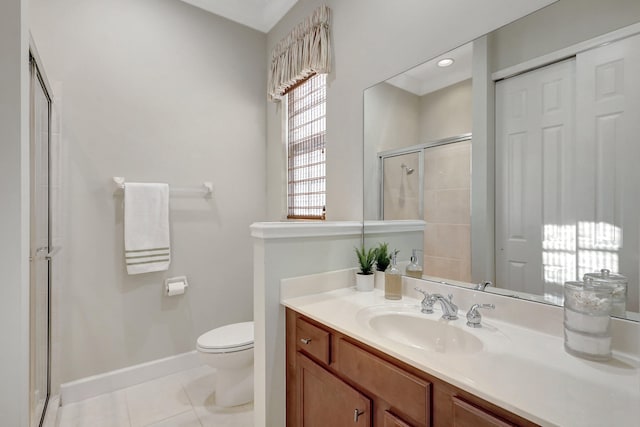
[366, 259]
[383, 259]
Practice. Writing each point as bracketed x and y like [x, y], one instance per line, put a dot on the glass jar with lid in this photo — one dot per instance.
[587, 321]
[617, 282]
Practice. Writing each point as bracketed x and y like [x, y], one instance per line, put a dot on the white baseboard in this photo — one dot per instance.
[86, 388]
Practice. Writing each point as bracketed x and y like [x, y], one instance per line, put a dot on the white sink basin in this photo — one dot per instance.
[406, 325]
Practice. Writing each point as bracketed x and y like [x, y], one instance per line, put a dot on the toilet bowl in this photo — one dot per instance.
[229, 349]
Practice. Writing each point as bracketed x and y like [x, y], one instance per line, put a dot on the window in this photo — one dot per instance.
[306, 130]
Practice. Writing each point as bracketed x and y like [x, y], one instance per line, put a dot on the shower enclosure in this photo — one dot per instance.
[432, 182]
[401, 186]
[40, 244]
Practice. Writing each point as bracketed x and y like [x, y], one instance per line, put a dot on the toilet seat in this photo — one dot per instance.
[227, 339]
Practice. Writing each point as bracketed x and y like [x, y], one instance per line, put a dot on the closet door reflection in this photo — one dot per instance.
[534, 166]
[40, 247]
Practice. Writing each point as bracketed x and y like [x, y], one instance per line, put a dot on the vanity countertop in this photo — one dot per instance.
[519, 369]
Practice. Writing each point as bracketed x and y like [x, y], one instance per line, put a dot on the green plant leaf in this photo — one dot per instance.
[366, 258]
[383, 259]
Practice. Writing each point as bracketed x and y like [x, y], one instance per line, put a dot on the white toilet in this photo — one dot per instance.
[229, 349]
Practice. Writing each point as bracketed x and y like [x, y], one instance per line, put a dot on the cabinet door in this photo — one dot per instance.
[324, 400]
[467, 415]
[409, 395]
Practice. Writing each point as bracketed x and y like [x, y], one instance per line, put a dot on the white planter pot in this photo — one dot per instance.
[364, 282]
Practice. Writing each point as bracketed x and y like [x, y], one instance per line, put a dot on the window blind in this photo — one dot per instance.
[306, 123]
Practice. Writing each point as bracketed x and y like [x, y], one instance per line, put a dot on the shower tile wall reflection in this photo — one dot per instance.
[401, 187]
[447, 211]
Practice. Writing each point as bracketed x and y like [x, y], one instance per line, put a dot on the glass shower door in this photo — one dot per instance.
[401, 191]
[40, 238]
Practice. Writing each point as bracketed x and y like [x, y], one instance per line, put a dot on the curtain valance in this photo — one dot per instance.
[305, 51]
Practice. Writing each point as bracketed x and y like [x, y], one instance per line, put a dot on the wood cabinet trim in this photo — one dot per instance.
[468, 415]
[391, 420]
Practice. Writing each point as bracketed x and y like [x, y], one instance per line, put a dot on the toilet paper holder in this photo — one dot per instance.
[175, 285]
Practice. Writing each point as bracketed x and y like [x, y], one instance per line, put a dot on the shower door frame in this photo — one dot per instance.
[420, 149]
[38, 76]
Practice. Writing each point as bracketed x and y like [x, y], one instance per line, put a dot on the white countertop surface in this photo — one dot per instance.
[519, 369]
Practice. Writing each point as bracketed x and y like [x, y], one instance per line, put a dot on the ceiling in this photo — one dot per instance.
[428, 77]
[261, 15]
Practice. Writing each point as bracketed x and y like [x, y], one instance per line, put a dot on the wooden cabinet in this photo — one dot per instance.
[325, 400]
[333, 380]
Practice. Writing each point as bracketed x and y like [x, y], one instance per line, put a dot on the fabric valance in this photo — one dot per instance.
[305, 51]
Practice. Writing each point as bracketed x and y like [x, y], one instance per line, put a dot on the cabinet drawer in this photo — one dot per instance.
[312, 340]
[407, 394]
[468, 415]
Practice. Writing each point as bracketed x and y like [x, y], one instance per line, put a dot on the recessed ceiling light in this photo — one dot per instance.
[445, 62]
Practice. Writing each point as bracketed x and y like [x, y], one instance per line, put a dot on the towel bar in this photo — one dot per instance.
[206, 189]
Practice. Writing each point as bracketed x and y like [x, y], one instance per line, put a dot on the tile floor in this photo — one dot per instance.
[184, 399]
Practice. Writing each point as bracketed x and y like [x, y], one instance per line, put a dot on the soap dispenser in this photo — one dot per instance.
[414, 269]
[393, 280]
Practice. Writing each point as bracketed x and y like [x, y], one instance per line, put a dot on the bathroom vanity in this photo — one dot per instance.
[354, 358]
[333, 379]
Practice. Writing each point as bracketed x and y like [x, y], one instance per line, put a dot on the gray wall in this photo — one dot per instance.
[14, 214]
[392, 117]
[561, 24]
[156, 91]
[391, 120]
[446, 112]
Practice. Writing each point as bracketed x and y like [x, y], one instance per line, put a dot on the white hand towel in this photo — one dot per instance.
[146, 227]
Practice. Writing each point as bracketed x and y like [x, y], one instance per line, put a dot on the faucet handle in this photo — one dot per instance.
[427, 301]
[483, 285]
[474, 318]
[455, 307]
[422, 291]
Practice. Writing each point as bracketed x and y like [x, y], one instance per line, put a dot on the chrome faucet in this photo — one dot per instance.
[474, 317]
[449, 309]
[482, 285]
[427, 303]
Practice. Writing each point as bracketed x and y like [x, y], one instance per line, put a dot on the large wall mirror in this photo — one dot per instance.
[520, 151]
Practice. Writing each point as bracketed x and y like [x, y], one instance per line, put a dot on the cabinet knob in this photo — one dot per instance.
[356, 414]
[305, 340]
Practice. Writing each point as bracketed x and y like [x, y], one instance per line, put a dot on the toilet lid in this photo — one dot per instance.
[237, 336]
